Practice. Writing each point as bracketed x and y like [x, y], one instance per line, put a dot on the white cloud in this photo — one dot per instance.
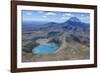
[44, 16]
[82, 15]
[65, 18]
[68, 14]
[50, 13]
[28, 13]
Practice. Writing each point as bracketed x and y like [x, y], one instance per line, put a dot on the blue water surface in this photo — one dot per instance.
[45, 49]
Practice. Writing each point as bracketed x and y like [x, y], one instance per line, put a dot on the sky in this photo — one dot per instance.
[51, 16]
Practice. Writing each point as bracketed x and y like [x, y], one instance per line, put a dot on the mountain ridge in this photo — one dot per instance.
[72, 24]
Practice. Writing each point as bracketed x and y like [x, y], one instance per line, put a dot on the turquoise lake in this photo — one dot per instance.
[45, 49]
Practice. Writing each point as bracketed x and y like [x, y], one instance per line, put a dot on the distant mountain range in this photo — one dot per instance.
[72, 24]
